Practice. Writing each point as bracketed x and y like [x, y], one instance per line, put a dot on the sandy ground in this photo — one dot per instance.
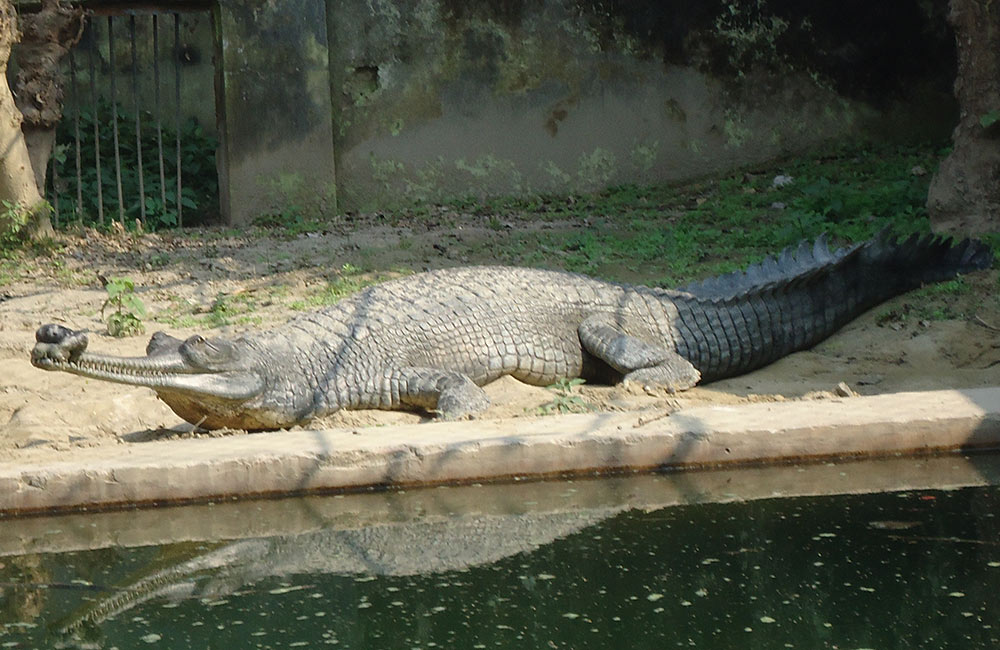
[46, 416]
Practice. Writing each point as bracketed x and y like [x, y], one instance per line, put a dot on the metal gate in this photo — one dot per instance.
[128, 147]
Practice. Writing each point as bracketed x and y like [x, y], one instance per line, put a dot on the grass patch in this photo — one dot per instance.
[226, 309]
[350, 280]
[671, 234]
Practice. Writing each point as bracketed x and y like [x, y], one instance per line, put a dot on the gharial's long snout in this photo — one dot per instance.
[56, 345]
[191, 366]
[61, 348]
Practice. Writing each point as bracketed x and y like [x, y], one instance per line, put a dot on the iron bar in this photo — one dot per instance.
[97, 127]
[114, 118]
[156, 102]
[177, 109]
[138, 121]
[76, 133]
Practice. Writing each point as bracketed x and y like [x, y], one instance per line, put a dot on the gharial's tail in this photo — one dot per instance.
[737, 322]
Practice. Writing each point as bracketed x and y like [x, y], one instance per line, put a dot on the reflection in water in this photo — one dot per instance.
[904, 570]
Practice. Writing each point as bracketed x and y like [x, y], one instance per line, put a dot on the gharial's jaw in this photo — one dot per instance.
[167, 367]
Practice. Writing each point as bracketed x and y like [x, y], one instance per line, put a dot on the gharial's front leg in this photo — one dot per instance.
[637, 360]
[452, 395]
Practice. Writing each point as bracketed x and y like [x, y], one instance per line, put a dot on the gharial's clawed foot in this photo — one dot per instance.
[56, 345]
[462, 401]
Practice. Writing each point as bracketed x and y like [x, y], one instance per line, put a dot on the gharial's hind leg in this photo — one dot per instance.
[637, 360]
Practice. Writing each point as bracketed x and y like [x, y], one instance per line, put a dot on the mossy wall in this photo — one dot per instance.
[439, 98]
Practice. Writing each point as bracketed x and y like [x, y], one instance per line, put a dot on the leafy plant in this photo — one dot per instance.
[565, 401]
[989, 118]
[199, 181]
[12, 218]
[126, 320]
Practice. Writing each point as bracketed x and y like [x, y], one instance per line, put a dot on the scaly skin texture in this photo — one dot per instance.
[429, 341]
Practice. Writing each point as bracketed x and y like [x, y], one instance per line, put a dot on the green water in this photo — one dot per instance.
[914, 569]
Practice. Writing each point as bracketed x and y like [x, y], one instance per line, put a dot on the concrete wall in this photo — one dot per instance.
[435, 99]
[276, 151]
[338, 105]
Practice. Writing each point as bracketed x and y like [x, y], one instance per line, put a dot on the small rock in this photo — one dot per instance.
[843, 390]
[778, 205]
[782, 180]
[917, 170]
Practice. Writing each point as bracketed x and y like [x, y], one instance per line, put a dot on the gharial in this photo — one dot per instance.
[430, 341]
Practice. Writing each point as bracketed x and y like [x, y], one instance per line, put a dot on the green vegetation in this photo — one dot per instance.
[227, 309]
[672, 234]
[126, 320]
[565, 401]
[291, 221]
[350, 280]
[199, 191]
[13, 217]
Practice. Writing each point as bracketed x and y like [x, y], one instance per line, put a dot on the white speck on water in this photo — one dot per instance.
[654, 597]
[284, 590]
[957, 594]
[748, 629]
[967, 614]
[546, 576]
[364, 579]
[658, 610]
[152, 637]
[364, 605]
[710, 560]
[571, 615]
[766, 619]
[827, 535]
[817, 563]
[701, 592]
[686, 603]
[868, 589]
[993, 564]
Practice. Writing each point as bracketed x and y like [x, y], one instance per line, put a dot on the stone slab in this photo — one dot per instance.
[298, 462]
[230, 519]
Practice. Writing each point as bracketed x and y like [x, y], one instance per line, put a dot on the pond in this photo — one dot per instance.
[790, 557]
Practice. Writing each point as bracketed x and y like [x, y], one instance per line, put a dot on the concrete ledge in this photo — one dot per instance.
[453, 452]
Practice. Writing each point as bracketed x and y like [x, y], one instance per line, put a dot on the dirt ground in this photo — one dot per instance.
[45, 416]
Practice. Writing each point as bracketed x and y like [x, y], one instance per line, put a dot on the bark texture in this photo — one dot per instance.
[46, 37]
[964, 195]
[17, 180]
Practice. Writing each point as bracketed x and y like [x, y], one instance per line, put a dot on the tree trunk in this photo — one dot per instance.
[23, 205]
[46, 37]
[964, 195]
